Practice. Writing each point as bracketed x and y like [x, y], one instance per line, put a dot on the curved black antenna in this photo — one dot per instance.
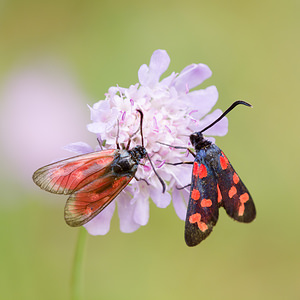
[117, 139]
[141, 130]
[141, 125]
[231, 107]
[129, 140]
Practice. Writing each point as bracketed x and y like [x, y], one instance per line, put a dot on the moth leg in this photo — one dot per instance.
[180, 163]
[139, 179]
[139, 129]
[179, 147]
[100, 143]
[183, 187]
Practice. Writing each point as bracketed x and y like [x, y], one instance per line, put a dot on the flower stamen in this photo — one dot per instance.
[156, 129]
[168, 129]
[187, 88]
[161, 163]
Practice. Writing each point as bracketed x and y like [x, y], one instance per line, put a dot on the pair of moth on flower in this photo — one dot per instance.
[95, 179]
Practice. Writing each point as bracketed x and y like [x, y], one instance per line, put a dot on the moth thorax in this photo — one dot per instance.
[124, 164]
[198, 141]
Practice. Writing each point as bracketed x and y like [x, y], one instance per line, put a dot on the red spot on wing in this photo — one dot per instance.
[235, 178]
[244, 197]
[241, 210]
[195, 195]
[202, 171]
[232, 191]
[195, 168]
[206, 203]
[196, 218]
[224, 162]
[199, 170]
[202, 226]
[219, 194]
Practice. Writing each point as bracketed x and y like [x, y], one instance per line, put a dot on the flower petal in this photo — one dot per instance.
[182, 176]
[180, 198]
[168, 80]
[100, 225]
[103, 115]
[219, 129]
[79, 148]
[143, 74]
[201, 101]
[141, 211]
[126, 211]
[96, 127]
[159, 63]
[191, 76]
[162, 200]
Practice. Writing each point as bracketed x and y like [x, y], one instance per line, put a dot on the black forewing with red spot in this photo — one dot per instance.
[236, 198]
[203, 210]
[88, 178]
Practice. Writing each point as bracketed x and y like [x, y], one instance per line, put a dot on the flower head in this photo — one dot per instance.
[171, 113]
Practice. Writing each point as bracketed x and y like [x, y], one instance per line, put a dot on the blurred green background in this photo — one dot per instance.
[252, 48]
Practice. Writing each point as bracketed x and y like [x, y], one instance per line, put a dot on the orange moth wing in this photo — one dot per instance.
[84, 204]
[69, 175]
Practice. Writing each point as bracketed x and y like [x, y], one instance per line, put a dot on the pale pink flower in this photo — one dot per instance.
[171, 113]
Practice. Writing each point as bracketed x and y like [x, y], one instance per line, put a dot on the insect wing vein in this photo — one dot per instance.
[84, 204]
[69, 175]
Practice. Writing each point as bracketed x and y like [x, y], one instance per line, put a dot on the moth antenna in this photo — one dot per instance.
[159, 178]
[231, 107]
[129, 140]
[141, 125]
[117, 143]
[141, 130]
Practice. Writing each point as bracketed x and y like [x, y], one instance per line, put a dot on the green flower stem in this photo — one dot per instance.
[77, 272]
